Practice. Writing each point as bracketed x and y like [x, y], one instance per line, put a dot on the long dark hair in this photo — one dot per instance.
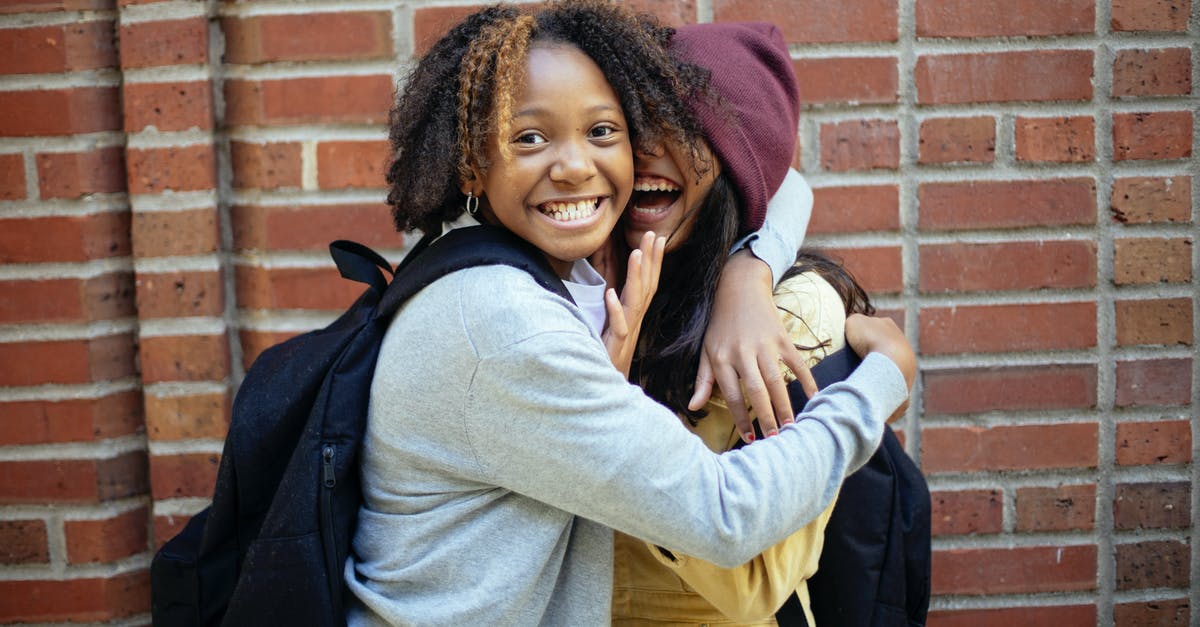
[673, 328]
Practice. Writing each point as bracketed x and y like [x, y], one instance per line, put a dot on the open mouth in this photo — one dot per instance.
[653, 195]
[570, 211]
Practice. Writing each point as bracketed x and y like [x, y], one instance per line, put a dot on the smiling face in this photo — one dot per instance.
[567, 168]
[668, 193]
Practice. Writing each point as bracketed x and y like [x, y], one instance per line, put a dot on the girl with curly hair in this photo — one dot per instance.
[502, 446]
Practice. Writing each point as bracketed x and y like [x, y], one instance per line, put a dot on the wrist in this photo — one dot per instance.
[745, 266]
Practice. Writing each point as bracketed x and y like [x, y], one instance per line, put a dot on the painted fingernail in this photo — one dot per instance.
[748, 437]
[772, 432]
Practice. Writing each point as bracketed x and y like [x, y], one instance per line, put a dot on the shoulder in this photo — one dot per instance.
[501, 305]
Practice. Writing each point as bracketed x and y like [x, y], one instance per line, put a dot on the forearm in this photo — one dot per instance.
[603, 450]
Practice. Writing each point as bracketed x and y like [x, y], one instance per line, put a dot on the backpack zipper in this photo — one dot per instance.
[327, 535]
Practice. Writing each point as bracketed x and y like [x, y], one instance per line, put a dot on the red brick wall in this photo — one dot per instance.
[1013, 179]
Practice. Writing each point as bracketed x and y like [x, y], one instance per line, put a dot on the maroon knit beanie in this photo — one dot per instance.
[753, 124]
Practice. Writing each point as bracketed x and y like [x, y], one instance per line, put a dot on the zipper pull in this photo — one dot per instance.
[327, 456]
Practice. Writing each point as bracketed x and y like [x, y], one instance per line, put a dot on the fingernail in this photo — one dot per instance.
[772, 432]
[748, 437]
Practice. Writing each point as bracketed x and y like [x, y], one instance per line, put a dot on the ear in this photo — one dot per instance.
[473, 185]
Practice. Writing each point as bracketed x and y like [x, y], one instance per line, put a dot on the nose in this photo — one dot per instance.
[573, 164]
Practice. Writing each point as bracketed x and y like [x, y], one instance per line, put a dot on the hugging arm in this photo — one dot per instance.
[549, 417]
[745, 341]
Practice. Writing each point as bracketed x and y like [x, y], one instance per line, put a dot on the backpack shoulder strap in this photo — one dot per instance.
[467, 247]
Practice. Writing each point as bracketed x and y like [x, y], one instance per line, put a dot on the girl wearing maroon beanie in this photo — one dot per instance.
[703, 202]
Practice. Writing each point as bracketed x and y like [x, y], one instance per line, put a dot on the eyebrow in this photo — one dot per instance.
[545, 111]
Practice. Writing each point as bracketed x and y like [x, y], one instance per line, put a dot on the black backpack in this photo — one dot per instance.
[875, 566]
[271, 548]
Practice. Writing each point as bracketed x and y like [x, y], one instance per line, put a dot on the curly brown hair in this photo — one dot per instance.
[462, 90]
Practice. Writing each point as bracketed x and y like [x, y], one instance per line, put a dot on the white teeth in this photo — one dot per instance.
[654, 184]
[567, 211]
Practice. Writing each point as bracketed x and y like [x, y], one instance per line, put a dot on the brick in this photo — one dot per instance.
[167, 42]
[333, 99]
[1153, 564]
[46, 6]
[255, 342]
[1007, 266]
[168, 107]
[23, 542]
[64, 238]
[1069, 139]
[1160, 135]
[352, 164]
[184, 475]
[108, 539]
[1007, 328]
[848, 80]
[75, 174]
[294, 288]
[430, 23]
[974, 390]
[1006, 204]
[59, 111]
[879, 270]
[860, 145]
[1014, 570]
[1004, 18]
[1154, 382]
[73, 480]
[1157, 613]
[958, 140]
[267, 166]
[75, 600]
[184, 358]
[1062, 508]
[1152, 443]
[1009, 616]
[197, 416]
[167, 526]
[104, 297]
[855, 209]
[1152, 506]
[1150, 15]
[1159, 321]
[180, 294]
[970, 449]
[180, 169]
[70, 420]
[312, 227]
[1032, 75]
[175, 233]
[814, 21]
[1148, 260]
[1148, 199]
[68, 361]
[12, 177]
[60, 48]
[308, 37]
[1154, 72]
[967, 512]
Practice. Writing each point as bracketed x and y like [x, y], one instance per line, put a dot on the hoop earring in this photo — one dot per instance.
[472, 207]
